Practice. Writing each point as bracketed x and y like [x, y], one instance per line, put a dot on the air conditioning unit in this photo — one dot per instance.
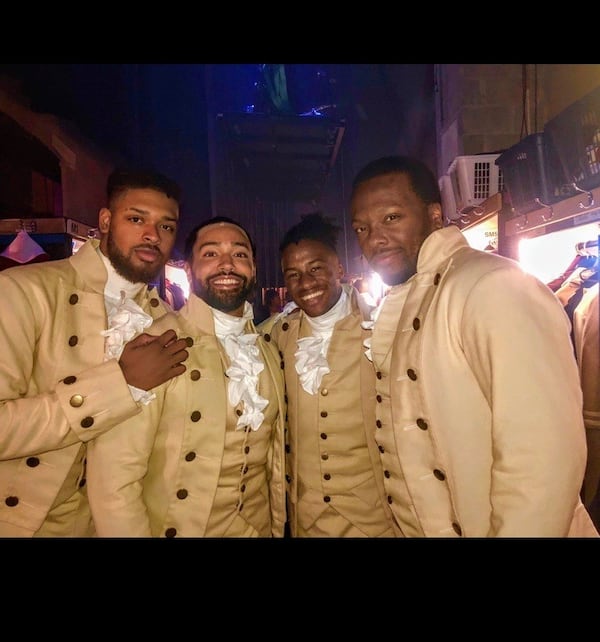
[449, 209]
[474, 179]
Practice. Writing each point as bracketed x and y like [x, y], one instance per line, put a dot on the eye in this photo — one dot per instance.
[392, 217]
[169, 228]
[136, 219]
[241, 255]
[359, 229]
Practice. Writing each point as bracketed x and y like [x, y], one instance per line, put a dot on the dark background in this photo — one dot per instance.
[164, 115]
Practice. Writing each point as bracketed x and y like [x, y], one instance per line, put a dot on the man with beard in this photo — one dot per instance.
[67, 372]
[207, 458]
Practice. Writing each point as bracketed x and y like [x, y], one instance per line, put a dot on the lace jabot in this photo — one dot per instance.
[369, 325]
[311, 356]
[245, 366]
[125, 320]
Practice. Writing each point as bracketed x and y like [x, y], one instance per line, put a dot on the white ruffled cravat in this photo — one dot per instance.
[125, 320]
[368, 325]
[311, 356]
[245, 366]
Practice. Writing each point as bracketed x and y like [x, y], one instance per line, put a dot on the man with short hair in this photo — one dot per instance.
[67, 373]
[479, 406]
[206, 459]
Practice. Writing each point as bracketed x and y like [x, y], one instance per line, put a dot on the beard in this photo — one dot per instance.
[224, 301]
[124, 266]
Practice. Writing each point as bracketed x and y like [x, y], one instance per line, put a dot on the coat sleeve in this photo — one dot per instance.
[37, 413]
[117, 463]
[517, 338]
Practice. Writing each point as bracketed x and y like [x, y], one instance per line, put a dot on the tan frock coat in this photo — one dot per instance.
[179, 468]
[484, 430]
[334, 471]
[56, 391]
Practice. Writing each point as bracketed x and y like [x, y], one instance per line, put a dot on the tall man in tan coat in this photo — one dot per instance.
[479, 412]
[65, 374]
[206, 459]
[334, 472]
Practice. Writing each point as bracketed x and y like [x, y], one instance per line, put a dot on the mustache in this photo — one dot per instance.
[153, 248]
[222, 274]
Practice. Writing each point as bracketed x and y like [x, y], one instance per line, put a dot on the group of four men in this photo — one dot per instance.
[453, 408]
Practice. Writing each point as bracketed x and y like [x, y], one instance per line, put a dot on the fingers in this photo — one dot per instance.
[167, 337]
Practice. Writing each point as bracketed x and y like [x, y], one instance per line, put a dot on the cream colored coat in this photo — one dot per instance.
[53, 383]
[586, 333]
[346, 348]
[483, 355]
[135, 473]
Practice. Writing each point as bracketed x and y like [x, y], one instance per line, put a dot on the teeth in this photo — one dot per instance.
[226, 281]
[311, 296]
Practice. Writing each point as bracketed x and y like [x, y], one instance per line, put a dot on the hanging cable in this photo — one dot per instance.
[524, 129]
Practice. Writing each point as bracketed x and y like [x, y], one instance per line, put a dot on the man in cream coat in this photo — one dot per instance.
[334, 472]
[206, 459]
[480, 409]
[63, 379]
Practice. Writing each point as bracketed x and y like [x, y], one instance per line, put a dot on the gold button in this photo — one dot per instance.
[324, 392]
[76, 401]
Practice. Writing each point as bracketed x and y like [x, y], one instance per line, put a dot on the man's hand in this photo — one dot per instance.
[148, 360]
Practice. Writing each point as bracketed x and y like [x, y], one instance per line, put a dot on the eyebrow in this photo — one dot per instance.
[141, 211]
[234, 243]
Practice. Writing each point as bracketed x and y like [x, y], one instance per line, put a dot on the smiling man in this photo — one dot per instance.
[479, 406]
[334, 473]
[208, 458]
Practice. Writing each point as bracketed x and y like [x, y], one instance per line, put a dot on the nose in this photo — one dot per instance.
[375, 238]
[226, 263]
[151, 234]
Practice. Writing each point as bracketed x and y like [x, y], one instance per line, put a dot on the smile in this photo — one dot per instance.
[312, 295]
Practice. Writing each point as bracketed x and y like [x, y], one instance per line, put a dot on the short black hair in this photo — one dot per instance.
[193, 235]
[315, 227]
[423, 181]
[124, 178]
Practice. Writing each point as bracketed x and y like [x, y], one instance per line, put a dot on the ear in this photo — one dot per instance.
[436, 216]
[104, 217]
